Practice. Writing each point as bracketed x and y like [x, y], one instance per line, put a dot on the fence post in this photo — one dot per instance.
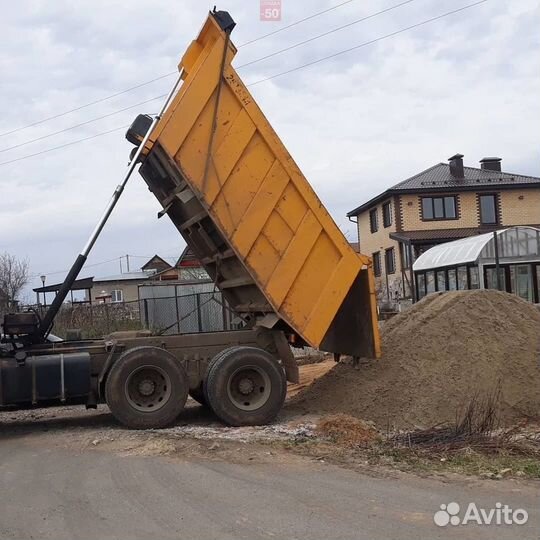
[177, 310]
[107, 321]
[225, 313]
[198, 301]
[145, 304]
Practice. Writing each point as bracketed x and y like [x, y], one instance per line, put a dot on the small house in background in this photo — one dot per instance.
[118, 288]
[155, 265]
[186, 268]
[190, 268]
[124, 287]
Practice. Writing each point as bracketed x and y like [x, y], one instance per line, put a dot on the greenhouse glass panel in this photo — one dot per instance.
[421, 285]
[462, 278]
[430, 282]
[441, 280]
[452, 280]
[491, 278]
[474, 277]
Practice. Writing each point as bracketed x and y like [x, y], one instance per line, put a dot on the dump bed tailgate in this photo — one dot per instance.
[231, 188]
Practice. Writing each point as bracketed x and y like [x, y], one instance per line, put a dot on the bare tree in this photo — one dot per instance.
[13, 277]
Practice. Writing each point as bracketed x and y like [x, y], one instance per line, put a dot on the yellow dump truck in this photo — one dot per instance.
[243, 206]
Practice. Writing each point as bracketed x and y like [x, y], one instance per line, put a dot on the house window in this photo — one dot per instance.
[117, 295]
[434, 208]
[387, 214]
[390, 260]
[405, 256]
[376, 264]
[488, 209]
[373, 220]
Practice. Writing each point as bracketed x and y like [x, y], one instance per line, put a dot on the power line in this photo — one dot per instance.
[65, 271]
[116, 259]
[88, 104]
[318, 36]
[239, 67]
[366, 43]
[295, 23]
[308, 64]
[63, 145]
[81, 124]
[130, 89]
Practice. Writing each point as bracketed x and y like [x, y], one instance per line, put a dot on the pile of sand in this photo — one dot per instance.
[436, 357]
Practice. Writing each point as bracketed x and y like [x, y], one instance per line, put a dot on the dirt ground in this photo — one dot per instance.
[292, 439]
[436, 357]
[196, 434]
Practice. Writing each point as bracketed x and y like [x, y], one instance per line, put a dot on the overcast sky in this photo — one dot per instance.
[355, 124]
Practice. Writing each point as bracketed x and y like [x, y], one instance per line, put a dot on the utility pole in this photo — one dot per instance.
[127, 262]
[43, 278]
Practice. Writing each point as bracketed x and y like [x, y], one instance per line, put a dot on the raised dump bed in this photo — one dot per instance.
[229, 185]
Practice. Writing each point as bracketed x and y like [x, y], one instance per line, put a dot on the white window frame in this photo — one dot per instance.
[117, 296]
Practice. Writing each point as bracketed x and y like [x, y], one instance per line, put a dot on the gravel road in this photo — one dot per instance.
[57, 492]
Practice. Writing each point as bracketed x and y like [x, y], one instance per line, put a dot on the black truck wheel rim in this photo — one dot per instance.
[148, 388]
[249, 388]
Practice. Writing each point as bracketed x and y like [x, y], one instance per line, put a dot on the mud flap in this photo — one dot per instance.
[354, 330]
[287, 358]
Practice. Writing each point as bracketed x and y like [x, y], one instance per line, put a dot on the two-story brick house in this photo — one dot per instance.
[445, 202]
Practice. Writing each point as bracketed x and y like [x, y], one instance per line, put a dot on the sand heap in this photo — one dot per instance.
[436, 357]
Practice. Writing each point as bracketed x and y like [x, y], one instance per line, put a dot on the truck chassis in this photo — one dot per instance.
[146, 379]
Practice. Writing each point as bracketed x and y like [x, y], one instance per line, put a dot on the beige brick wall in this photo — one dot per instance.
[371, 242]
[524, 211]
[515, 211]
[412, 216]
[378, 242]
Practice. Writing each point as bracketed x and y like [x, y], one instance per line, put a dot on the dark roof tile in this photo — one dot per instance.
[439, 177]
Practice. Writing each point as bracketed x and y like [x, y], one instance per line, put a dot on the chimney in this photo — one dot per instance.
[456, 166]
[491, 164]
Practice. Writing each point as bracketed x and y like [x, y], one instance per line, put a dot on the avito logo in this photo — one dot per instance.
[502, 514]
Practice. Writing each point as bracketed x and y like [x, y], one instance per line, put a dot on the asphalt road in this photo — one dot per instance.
[63, 494]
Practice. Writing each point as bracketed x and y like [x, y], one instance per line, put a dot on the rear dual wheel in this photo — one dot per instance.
[245, 386]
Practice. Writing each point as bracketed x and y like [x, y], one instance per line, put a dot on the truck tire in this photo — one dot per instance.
[146, 388]
[245, 386]
[199, 393]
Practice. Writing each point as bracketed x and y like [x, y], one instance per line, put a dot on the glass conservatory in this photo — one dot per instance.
[508, 260]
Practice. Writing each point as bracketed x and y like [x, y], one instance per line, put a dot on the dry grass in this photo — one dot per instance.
[347, 430]
[474, 444]
[476, 430]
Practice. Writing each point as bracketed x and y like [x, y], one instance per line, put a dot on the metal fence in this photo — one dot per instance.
[201, 312]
